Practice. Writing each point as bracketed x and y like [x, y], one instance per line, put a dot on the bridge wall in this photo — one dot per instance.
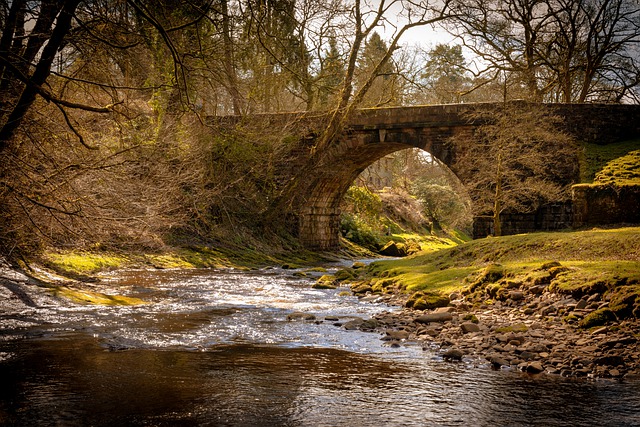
[315, 183]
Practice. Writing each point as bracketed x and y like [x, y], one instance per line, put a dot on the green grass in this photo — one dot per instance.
[596, 157]
[624, 170]
[588, 256]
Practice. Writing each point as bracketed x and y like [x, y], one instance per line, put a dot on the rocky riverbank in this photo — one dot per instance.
[536, 331]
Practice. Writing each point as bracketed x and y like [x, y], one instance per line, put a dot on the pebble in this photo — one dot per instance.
[510, 335]
[434, 317]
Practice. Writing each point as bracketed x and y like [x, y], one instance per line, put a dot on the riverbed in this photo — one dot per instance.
[218, 348]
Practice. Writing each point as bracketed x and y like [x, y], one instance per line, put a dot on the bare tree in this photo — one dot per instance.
[516, 160]
[363, 22]
[567, 50]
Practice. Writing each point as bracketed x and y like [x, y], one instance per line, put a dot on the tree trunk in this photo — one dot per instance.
[232, 80]
[40, 74]
[497, 201]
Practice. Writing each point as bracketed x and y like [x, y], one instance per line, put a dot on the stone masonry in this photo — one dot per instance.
[316, 182]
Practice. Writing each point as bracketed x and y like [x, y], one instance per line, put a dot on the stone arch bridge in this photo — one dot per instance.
[314, 183]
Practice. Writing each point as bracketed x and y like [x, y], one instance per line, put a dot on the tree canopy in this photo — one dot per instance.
[104, 94]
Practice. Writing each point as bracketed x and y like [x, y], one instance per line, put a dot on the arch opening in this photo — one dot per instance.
[322, 219]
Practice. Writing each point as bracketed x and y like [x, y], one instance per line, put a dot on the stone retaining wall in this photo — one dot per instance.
[557, 216]
[605, 204]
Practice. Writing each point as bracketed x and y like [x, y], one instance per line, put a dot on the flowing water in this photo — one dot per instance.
[215, 348]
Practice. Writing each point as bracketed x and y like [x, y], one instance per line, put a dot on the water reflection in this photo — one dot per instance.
[73, 380]
[215, 349]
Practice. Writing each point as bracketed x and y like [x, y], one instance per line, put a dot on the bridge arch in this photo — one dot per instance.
[375, 133]
[319, 212]
[314, 183]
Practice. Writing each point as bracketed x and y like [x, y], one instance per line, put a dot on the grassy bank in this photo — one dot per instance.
[82, 264]
[75, 274]
[578, 263]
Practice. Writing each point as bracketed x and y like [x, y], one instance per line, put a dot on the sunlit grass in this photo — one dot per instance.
[605, 255]
[93, 298]
[595, 157]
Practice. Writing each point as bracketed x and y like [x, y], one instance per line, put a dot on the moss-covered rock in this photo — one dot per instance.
[625, 301]
[345, 274]
[382, 285]
[359, 288]
[83, 296]
[394, 249]
[423, 300]
[470, 317]
[326, 281]
[598, 318]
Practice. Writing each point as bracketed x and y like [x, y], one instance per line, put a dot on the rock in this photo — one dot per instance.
[369, 325]
[614, 373]
[527, 355]
[534, 368]
[344, 274]
[432, 332]
[361, 288]
[394, 249]
[326, 281]
[537, 290]
[594, 298]
[582, 304]
[453, 354]
[597, 318]
[434, 318]
[468, 327]
[395, 335]
[599, 331]
[422, 300]
[358, 264]
[497, 361]
[614, 360]
[516, 295]
[354, 324]
[301, 316]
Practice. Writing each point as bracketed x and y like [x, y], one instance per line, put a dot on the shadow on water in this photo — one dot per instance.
[72, 380]
[215, 349]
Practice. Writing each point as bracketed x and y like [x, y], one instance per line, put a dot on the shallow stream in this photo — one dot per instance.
[215, 348]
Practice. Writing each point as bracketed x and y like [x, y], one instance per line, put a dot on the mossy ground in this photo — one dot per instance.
[78, 264]
[624, 170]
[76, 268]
[83, 296]
[595, 159]
[577, 263]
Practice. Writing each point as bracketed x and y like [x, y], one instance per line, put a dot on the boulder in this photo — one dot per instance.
[301, 316]
[361, 288]
[394, 249]
[424, 300]
[468, 327]
[395, 335]
[354, 324]
[535, 368]
[453, 354]
[326, 281]
[497, 361]
[516, 295]
[434, 318]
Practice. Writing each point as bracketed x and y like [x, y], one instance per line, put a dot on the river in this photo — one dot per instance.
[215, 348]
